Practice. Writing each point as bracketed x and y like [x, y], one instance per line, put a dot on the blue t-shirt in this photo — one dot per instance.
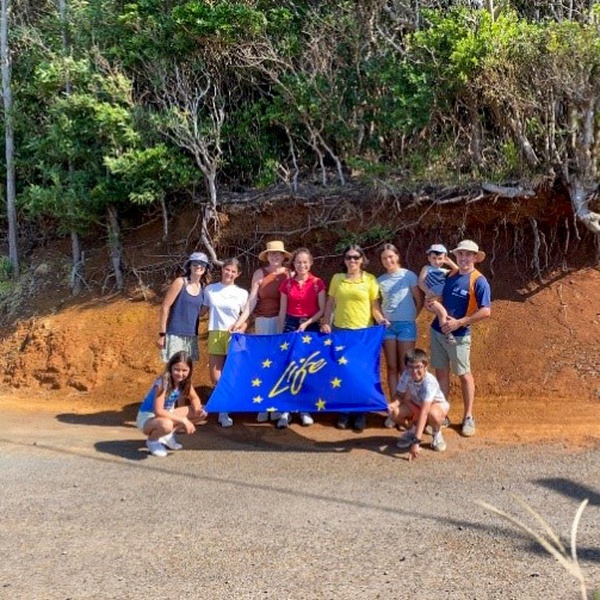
[397, 302]
[148, 402]
[436, 279]
[455, 298]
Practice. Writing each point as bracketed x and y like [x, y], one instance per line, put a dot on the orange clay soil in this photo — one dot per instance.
[536, 364]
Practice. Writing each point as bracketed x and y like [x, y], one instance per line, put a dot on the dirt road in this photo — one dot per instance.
[253, 512]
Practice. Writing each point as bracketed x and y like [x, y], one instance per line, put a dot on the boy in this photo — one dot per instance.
[432, 279]
[419, 400]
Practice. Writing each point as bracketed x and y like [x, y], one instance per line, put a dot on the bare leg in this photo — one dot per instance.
[467, 384]
[443, 377]
[391, 359]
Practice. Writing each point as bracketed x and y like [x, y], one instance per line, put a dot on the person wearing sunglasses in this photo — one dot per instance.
[352, 303]
[180, 309]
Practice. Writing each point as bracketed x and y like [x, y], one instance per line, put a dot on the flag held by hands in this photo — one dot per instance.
[302, 371]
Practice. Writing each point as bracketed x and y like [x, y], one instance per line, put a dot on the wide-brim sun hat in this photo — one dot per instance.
[274, 246]
[470, 246]
[197, 257]
[437, 248]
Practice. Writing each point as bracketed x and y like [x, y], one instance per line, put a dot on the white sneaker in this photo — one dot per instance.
[170, 441]
[225, 420]
[438, 443]
[156, 448]
[468, 427]
[306, 420]
[389, 423]
[262, 417]
[284, 420]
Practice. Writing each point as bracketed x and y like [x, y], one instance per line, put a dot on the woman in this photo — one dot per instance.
[224, 302]
[264, 298]
[353, 302]
[402, 301]
[180, 309]
[302, 305]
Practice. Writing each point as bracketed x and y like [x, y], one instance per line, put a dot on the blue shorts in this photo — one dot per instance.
[401, 331]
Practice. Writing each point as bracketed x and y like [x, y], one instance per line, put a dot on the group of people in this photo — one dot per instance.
[285, 296]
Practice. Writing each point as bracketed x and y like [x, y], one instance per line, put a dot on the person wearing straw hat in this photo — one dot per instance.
[264, 298]
[467, 298]
[180, 309]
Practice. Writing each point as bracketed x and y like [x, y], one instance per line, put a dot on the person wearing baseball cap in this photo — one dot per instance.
[466, 296]
[180, 309]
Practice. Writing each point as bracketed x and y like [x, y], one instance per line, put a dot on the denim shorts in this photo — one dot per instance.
[402, 331]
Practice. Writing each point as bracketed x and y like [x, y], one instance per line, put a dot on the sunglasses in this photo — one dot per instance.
[352, 257]
[197, 263]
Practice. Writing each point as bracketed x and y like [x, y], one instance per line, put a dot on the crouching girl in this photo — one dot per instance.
[159, 416]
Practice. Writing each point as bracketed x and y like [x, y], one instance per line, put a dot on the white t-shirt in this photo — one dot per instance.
[225, 303]
[427, 390]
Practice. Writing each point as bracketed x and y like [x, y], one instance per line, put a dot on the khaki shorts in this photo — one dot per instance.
[218, 342]
[179, 343]
[454, 356]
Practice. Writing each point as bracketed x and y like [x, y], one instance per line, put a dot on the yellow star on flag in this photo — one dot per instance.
[320, 404]
[336, 383]
[272, 409]
[343, 361]
[284, 346]
[306, 339]
[256, 382]
[257, 399]
[339, 348]
[267, 363]
[328, 342]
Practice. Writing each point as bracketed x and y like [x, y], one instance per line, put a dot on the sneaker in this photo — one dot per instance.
[438, 443]
[429, 429]
[343, 421]
[306, 420]
[170, 441]
[225, 420]
[468, 427]
[262, 417]
[389, 423]
[284, 420]
[450, 339]
[406, 439]
[360, 422]
[156, 448]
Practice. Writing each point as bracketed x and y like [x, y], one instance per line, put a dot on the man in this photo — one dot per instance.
[467, 298]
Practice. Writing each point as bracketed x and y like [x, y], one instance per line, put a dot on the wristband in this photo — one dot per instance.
[162, 334]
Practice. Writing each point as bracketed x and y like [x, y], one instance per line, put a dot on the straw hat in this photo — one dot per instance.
[274, 246]
[470, 246]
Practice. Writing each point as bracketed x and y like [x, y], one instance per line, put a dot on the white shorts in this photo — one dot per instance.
[266, 325]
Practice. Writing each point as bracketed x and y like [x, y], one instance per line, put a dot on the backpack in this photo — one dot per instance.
[472, 305]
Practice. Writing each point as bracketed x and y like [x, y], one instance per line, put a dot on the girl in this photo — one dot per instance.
[402, 301]
[302, 304]
[224, 302]
[180, 310]
[264, 298]
[353, 300]
[158, 416]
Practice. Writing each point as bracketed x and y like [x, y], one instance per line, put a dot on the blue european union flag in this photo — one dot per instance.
[302, 371]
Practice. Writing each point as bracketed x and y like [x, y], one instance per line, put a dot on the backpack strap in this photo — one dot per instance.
[472, 305]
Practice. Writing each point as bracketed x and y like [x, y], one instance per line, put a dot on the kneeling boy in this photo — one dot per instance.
[420, 401]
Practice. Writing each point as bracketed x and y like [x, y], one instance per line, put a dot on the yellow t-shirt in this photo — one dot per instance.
[353, 300]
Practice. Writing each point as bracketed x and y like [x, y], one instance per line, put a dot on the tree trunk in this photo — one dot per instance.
[114, 245]
[77, 264]
[11, 212]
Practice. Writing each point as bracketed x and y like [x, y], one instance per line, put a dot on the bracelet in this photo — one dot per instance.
[162, 334]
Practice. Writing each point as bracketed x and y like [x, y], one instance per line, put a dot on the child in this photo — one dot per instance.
[159, 417]
[432, 279]
[419, 400]
[224, 302]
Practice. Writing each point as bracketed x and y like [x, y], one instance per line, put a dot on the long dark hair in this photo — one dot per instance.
[167, 378]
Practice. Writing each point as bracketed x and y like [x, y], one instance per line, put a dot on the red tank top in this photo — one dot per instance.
[268, 294]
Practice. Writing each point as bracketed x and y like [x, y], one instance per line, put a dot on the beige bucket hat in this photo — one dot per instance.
[274, 246]
[470, 246]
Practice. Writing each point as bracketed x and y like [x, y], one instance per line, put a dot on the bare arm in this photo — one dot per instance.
[321, 299]
[250, 303]
[479, 315]
[451, 265]
[378, 316]
[418, 298]
[283, 302]
[165, 308]
[422, 277]
[329, 308]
